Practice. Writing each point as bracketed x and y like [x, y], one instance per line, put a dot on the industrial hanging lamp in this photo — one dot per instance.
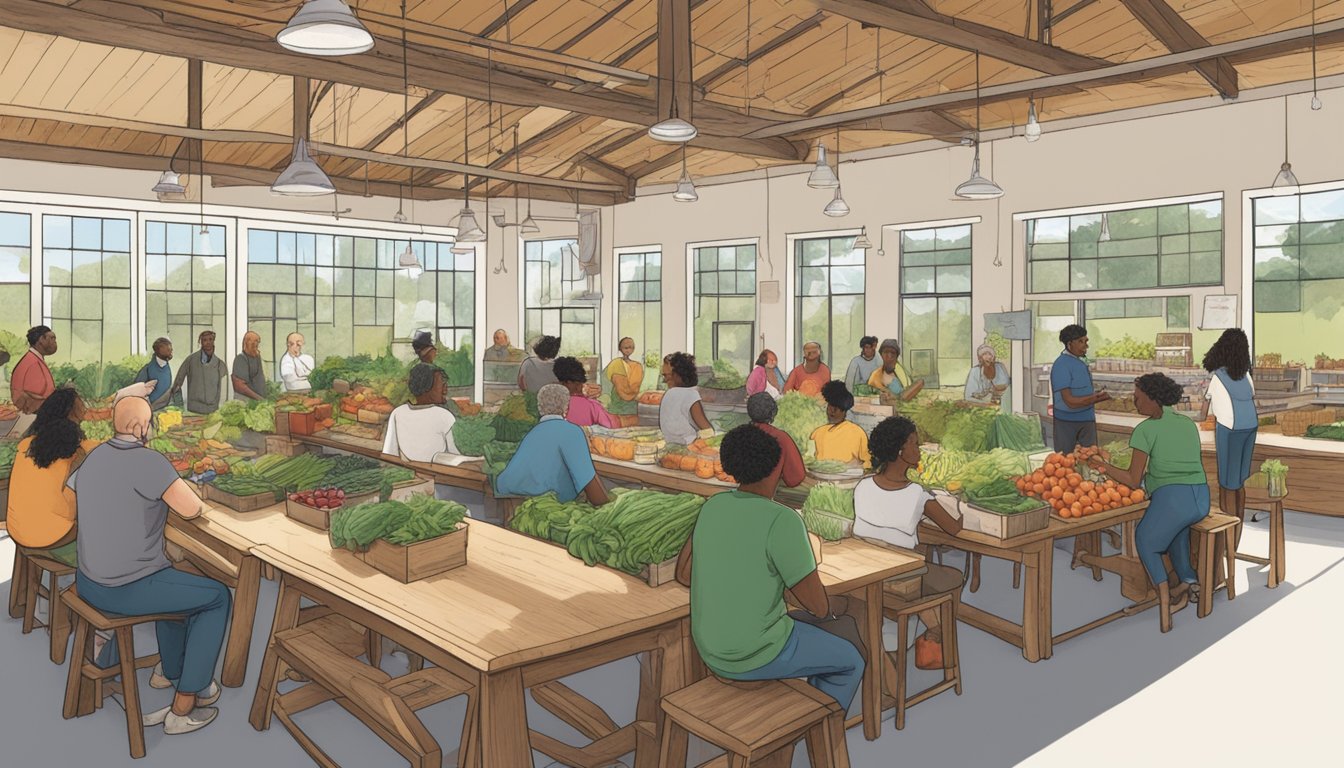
[406, 259]
[837, 207]
[1286, 177]
[304, 177]
[1105, 235]
[325, 28]
[468, 231]
[862, 242]
[685, 187]
[169, 184]
[822, 177]
[978, 187]
[1033, 130]
[529, 225]
[673, 130]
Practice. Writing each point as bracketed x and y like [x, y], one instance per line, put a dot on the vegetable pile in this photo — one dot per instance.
[987, 468]
[725, 376]
[863, 390]
[799, 415]
[825, 504]
[517, 415]
[256, 415]
[1060, 483]
[246, 485]
[1001, 497]
[321, 498]
[938, 469]
[827, 467]
[471, 433]
[1120, 452]
[419, 518]
[968, 429]
[497, 454]
[1128, 348]
[1327, 431]
[1018, 432]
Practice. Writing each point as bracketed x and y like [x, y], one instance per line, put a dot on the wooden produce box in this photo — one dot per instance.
[366, 416]
[310, 516]
[1003, 526]
[658, 574]
[322, 411]
[422, 559]
[241, 503]
[282, 423]
[302, 423]
[284, 446]
[400, 491]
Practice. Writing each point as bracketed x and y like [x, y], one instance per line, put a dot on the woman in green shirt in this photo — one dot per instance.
[1167, 462]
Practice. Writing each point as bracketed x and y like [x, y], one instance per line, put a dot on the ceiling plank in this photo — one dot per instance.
[1067, 12]
[1256, 48]
[657, 164]
[504, 18]
[1174, 32]
[707, 82]
[121, 24]
[398, 124]
[596, 25]
[914, 18]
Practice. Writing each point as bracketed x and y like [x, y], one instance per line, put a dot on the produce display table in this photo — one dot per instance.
[1035, 551]
[658, 477]
[467, 475]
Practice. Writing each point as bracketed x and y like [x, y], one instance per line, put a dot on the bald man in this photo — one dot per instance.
[123, 492]
[295, 366]
[249, 380]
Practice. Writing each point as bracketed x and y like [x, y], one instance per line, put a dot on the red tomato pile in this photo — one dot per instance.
[1060, 484]
[322, 498]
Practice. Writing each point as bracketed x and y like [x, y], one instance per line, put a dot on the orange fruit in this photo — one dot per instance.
[1066, 512]
[1124, 490]
[1069, 497]
[1086, 486]
[1075, 480]
[1037, 476]
[1038, 488]
[1137, 495]
[1057, 492]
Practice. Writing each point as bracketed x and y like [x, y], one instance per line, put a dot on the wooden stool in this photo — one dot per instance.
[320, 650]
[88, 684]
[26, 587]
[753, 721]
[1274, 505]
[1214, 530]
[900, 610]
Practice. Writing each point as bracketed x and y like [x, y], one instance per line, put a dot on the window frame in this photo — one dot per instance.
[642, 346]
[935, 294]
[692, 289]
[796, 243]
[524, 307]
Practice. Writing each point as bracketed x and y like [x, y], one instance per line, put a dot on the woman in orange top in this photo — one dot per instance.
[41, 508]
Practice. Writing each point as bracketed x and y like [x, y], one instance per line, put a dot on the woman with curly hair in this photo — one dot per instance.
[1231, 400]
[681, 416]
[1167, 462]
[41, 509]
[840, 439]
[535, 372]
[888, 508]
[583, 410]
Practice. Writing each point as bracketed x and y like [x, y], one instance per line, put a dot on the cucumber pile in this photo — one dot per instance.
[636, 529]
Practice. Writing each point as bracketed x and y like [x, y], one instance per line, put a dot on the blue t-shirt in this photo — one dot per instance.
[553, 457]
[1072, 374]
[161, 375]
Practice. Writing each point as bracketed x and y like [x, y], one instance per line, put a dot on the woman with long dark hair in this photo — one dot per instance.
[41, 509]
[1231, 401]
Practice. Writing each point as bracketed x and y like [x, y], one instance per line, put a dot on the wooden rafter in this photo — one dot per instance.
[674, 59]
[1177, 35]
[730, 67]
[194, 109]
[404, 120]
[596, 25]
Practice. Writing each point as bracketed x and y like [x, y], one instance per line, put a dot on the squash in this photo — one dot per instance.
[600, 445]
[621, 450]
[704, 468]
[688, 462]
[652, 397]
[671, 461]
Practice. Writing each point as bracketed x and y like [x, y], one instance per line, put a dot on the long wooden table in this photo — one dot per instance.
[1035, 551]
[468, 475]
[661, 478]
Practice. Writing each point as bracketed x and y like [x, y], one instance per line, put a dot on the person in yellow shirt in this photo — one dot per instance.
[891, 377]
[840, 440]
[626, 376]
[41, 513]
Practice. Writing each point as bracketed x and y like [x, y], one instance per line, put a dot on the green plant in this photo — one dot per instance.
[1127, 348]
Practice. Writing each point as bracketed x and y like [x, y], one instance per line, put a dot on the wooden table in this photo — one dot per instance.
[658, 477]
[469, 475]
[1035, 551]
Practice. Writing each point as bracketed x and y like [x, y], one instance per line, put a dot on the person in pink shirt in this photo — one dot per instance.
[810, 370]
[584, 411]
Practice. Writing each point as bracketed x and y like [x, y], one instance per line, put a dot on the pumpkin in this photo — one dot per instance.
[688, 463]
[704, 468]
[622, 450]
[671, 461]
[809, 388]
[599, 445]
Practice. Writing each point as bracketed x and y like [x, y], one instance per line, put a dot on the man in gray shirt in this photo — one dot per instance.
[249, 380]
[204, 374]
[123, 492]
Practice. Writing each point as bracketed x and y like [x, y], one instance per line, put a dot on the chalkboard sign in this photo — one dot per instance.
[1013, 325]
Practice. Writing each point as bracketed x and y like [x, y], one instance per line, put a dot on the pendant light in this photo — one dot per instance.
[822, 177]
[1033, 131]
[1315, 99]
[978, 187]
[1105, 235]
[837, 207]
[862, 242]
[406, 259]
[325, 28]
[468, 231]
[169, 184]
[529, 225]
[685, 187]
[1286, 177]
[303, 177]
[673, 130]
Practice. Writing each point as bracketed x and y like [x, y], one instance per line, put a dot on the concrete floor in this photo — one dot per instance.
[1257, 682]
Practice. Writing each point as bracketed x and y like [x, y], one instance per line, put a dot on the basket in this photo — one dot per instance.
[1002, 526]
[1295, 423]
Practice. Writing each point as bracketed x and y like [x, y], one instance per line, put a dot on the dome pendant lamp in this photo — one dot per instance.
[303, 177]
[325, 28]
[978, 187]
[822, 177]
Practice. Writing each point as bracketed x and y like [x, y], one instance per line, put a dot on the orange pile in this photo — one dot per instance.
[1071, 495]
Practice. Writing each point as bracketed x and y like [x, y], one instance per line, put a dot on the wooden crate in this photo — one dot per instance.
[282, 423]
[1003, 526]
[302, 423]
[285, 447]
[422, 559]
[240, 503]
[366, 416]
[659, 574]
[310, 516]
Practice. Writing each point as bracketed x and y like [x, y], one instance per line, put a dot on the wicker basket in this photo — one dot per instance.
[1295, 423]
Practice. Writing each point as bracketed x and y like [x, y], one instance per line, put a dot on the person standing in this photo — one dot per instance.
[160, 373]
[295, 365]
[584, 411]
[1231, 400]
[987, 380]
[765, 376]
[761, 409]
[421, 430]
[808, 376]
[891, 377]
[423, 346]
[554, 457]
[840, 439]
[681, 415]
[204, 374]
[864, 364]
[41, 509]
[500, 351]
[1074, 397]
[249, 380]
[535, 372]
[626, 376]
[31, 383]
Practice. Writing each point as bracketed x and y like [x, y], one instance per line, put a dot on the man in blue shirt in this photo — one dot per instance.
[553, 457]
[1074, 397]
[160, 373]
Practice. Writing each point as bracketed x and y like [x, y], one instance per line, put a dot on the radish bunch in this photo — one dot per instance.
[321, 498]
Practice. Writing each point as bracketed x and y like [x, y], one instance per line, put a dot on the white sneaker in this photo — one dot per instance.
[175, 725]
[157, 679]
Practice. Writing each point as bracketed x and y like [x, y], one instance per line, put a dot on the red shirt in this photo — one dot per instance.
[790, 467]
[31, 375]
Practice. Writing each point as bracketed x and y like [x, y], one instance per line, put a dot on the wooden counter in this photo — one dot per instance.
[658, 477]
[468, 475]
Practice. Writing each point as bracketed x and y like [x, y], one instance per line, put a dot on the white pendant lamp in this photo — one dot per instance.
[685, 187]
[325, 28]
[408, 259]
[1286, 177]
[837, 207]
[1033, 131]
[862, 242]
[461, 250]
[1105, 236]
[169, 184]
[822, 177]
[303, 177]
[978, 187]
[468, 231]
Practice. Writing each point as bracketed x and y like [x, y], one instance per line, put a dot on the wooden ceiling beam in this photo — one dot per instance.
[194, 108]
[127, 25]
[914, 18]
[707, 82]
[1174, 32]
[655, 165]
[675, 96]
[1067, 12]
[596, 25]
[1260, 47]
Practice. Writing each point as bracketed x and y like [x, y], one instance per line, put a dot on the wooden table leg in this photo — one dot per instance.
[1047, 571]
[286, 617]
[1031, 605]
[872, 668]
[661, 673]
[503, 720]
[1278, 565]
[240, 624]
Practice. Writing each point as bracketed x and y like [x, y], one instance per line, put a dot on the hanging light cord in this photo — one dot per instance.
[406, 109]
[768, 262]
[747, 90]
[1285, 129]
[1313, 48]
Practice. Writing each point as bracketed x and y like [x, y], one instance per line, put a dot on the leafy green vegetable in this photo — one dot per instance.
[968, 429]
[725, 376]
[471, 433]
[1326, 431]
[98, 430]
[939, 469]
[1127, 348]
[1274, 468]
[826, 467]
[1018, 432]
[987, 468]
[728, 421]
[1120, 452]
[829, 497]
[799, 415]
[8, 450]
[863, 390]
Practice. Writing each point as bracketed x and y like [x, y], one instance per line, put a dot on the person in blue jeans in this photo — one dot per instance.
[745, 552]
[123, 493]
[1166, 460]
[1230, 398]
[1074, 397]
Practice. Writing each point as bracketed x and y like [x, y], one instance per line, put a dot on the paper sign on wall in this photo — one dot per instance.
[770, 292]
[1219, 312]
[1013, 325]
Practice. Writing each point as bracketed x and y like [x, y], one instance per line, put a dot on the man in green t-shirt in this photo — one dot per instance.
[746, 550]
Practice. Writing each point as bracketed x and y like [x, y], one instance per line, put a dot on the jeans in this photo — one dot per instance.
[830, 663]
[1165, 527]
[188, 649]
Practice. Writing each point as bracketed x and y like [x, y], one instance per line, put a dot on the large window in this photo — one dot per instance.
[347, 296]
[1299, 275]
[184, 283]
[936, 304]
[724, 291]
[829, 297]
[555, 287]
[15, 278]
[1154, 247]
[86, 287]
[639, 308]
